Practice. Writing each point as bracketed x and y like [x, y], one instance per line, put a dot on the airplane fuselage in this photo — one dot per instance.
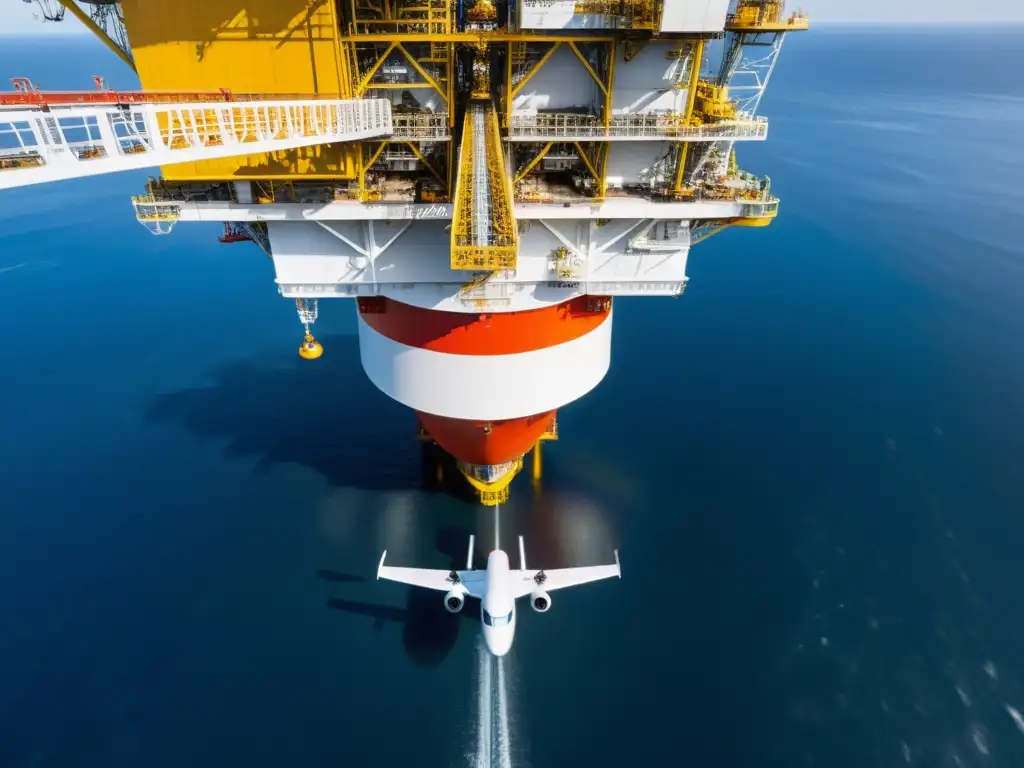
[498, 606]
[497, 587]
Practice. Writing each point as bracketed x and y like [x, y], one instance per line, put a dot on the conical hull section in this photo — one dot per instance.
[487, 442]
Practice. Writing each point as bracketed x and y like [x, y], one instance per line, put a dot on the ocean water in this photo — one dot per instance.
[811, 464]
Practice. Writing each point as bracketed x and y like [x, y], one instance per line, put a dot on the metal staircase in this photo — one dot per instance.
[484, 231]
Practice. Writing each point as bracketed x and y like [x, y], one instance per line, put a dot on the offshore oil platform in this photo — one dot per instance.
[481, 177]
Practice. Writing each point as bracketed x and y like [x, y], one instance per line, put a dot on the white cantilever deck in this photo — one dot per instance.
[38, 146]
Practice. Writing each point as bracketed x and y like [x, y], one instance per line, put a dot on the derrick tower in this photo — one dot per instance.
[480, 178]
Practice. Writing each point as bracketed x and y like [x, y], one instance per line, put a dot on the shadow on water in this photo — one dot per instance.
[337, 577]
[324, 415]
[429, 632]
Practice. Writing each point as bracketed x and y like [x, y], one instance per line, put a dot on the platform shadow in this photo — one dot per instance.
[429, 632]
[324, 415]
[338, 577]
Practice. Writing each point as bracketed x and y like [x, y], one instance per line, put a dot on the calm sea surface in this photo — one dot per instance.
[811, 464]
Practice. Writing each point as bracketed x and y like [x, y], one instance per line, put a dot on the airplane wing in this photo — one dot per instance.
[524, 582]
[429, 578]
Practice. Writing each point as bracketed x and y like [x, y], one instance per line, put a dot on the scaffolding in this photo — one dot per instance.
[419, 126]
[400, 17]
[484, 233]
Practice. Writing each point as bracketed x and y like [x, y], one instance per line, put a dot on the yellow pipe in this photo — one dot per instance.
[711, 233]
[363, 166]
[604, 169]
[423, 73]
[536, 68]
[508, 86]
[423, 160]
[586, 162]
[532, 163]
[376, 155]
[536, 462]
[691, 96]
[364, 83]
[340, 63]
[612, 53]
[449, 162]
[691, 100]
[451, 100]
[93, 27]
[590, 69]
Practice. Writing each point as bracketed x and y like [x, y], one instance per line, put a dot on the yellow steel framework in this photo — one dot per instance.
[521, 70]
[631, 14]
[98, 31]
[697, 58]
[368, 194]
[765, 16]
[429, 17]
[467, 252]
[345, 49]
[494, 493]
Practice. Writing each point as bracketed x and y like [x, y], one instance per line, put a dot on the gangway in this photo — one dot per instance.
[52, 141]
[484, 232]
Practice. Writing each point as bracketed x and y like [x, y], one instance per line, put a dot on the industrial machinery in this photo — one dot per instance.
[480, 178]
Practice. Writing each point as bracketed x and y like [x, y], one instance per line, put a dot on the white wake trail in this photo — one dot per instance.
[504, 734]
[493, 731]
[483, 720]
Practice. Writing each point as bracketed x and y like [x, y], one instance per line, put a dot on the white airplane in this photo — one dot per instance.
[497, 588]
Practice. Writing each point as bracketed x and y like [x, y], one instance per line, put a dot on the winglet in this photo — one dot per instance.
[381, 566]
[617, 565]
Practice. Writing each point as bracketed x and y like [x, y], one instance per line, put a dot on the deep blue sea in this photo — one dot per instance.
[812, 465]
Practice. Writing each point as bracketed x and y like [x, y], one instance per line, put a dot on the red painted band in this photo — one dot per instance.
[486, 442]
[497, 333]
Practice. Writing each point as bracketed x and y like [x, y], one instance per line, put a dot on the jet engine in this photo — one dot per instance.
[454, 600]
[540, 601]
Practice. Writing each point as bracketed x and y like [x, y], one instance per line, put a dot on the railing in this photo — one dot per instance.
[158, 216]
[761, 209]
[423, 126]
[570, 127]
[436, 24]
[767, 16]
[85, 141]
[621, 14]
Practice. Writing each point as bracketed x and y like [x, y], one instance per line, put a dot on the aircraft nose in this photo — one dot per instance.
[499, 646]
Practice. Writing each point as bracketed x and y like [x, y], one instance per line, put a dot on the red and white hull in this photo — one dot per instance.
[486, 386]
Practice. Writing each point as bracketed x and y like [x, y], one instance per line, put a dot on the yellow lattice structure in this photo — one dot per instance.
[634, 14]
[494, 492]
[484, 232]
[765, 16]
[406, 17]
